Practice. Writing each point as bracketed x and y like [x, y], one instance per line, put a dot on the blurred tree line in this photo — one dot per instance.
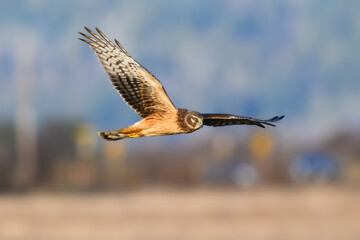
[71, 157]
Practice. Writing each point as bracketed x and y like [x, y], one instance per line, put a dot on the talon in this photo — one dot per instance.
[133, 135]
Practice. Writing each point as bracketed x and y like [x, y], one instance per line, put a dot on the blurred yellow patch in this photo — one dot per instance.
[261, 145]
[85, 135]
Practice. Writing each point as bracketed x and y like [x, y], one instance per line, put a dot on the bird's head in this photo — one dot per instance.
[193, 120]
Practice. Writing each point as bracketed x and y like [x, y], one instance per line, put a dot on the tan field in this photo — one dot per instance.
[267, 213]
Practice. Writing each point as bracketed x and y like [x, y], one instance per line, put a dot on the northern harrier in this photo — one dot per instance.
[145, 94]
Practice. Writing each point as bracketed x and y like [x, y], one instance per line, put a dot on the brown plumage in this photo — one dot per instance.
[145, 94]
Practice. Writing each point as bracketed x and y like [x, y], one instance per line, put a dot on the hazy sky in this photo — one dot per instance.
[254, 57]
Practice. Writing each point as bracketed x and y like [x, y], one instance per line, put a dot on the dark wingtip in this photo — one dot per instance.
[86, 41]
[281, 117]
[275, 119]
[269, 124]
[82, 34]
[100, 32]
[270, 121]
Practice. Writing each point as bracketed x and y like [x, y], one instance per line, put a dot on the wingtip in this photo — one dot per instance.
[82, 34]
[85, 41]
[90, 31]
[275, 119]
[269, 124]
[98, 30]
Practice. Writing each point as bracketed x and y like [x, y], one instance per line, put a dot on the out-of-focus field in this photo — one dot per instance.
[267, 213]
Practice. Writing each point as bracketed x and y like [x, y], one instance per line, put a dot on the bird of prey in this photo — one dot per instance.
[146, 95]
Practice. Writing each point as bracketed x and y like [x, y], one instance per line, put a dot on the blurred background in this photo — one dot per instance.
[300, 180]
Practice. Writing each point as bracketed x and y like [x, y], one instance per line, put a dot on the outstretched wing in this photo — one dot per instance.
[219, 120]
[139, 88]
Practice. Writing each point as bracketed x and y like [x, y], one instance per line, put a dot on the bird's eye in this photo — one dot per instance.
[193, 119]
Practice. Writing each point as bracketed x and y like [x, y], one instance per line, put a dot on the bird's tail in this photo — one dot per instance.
[116, 135]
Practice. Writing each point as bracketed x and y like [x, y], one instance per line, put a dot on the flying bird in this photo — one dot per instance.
[146, 95]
